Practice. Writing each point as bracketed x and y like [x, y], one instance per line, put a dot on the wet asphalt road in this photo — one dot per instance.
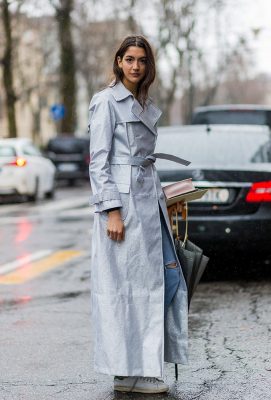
[45, 335]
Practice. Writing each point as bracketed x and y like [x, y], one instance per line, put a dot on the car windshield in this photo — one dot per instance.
[67, 145]
[255, 117]
[7, 151]
[215, 148]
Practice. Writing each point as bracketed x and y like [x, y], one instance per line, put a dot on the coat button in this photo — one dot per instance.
[161, 195]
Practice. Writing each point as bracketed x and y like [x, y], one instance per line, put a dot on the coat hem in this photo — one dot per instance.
[122, 373]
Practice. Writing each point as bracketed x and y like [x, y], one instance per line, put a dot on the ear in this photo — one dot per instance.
[119, 60]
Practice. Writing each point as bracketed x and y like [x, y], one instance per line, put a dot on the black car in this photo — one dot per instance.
[235, 163]
[233, 114]
[70, 155]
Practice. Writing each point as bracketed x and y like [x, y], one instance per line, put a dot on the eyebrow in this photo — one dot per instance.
[127, 55]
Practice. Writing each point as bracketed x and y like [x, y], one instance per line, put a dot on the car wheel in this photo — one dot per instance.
[50, 194]
[34, 196]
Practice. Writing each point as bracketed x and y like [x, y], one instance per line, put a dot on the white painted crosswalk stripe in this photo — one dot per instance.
[55, 205]
[13, 265]
[63, 204]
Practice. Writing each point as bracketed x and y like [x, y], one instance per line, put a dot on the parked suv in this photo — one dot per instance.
[233, 114]
[70, 155]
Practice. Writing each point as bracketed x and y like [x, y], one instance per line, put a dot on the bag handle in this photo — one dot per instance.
[176, 224]
[185, 217]
[186, 223]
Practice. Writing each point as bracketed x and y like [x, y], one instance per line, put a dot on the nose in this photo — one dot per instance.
[136, 65]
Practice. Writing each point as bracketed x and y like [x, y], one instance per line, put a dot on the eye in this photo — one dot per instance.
[129, 59]
[143, 61]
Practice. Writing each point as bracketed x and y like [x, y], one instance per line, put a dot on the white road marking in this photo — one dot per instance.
[4, 209]
[63, 204]
[53, 205]
[20, 262]
[72, 213]
[76, 212]
[68, 207]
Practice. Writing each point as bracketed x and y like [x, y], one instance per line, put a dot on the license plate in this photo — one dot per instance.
[215, 196]
[67, 167]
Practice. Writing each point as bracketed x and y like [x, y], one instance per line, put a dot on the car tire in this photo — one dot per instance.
[34, 197]
[50, 195]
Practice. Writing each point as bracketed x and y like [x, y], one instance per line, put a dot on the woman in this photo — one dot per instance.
[139, 297]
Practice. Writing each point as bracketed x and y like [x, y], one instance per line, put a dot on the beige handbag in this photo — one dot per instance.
[182, 191]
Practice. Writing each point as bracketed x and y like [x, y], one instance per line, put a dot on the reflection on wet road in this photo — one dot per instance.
[24, 229]
[40, 237]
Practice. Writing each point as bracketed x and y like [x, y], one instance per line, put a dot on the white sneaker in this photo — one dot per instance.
[140, 385]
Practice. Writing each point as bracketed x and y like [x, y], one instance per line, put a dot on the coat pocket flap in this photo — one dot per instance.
[123, 187]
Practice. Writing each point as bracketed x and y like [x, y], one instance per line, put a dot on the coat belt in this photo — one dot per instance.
[143, 162]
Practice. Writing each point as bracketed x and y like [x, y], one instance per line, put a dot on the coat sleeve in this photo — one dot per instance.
[105, 194]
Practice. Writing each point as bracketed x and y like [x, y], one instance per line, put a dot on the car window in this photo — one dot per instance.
[263, 153]
[215, 148]
[31, 150]
[7, 151]
[68, 145]
[247, 117]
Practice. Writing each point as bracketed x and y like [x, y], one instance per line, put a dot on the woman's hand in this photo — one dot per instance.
[115, 226]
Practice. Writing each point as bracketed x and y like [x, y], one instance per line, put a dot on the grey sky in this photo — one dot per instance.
[250, 14]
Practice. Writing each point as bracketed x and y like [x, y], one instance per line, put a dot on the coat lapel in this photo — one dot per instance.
[148, 116]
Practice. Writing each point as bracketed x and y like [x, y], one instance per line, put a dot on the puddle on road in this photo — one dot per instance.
[21, 301]
[68, 295]
[17, 301]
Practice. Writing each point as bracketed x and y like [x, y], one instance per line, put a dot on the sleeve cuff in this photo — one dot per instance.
[104, 196]
[112, 209]
[107, 205]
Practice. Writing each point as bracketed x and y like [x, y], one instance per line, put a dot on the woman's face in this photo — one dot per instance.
[133, 65]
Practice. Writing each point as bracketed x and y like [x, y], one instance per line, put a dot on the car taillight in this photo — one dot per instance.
[18, 162]
[259, 191]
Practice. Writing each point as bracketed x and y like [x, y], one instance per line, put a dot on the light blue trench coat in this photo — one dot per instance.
[131, 337]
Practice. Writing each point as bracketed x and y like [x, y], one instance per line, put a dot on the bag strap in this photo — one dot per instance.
[186, 223]
[185, 217]
[177, 224]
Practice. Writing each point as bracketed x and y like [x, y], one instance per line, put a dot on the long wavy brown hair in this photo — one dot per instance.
[145, 83]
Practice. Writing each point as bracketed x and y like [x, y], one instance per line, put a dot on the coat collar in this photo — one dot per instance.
[148, 116]
[120, 92]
